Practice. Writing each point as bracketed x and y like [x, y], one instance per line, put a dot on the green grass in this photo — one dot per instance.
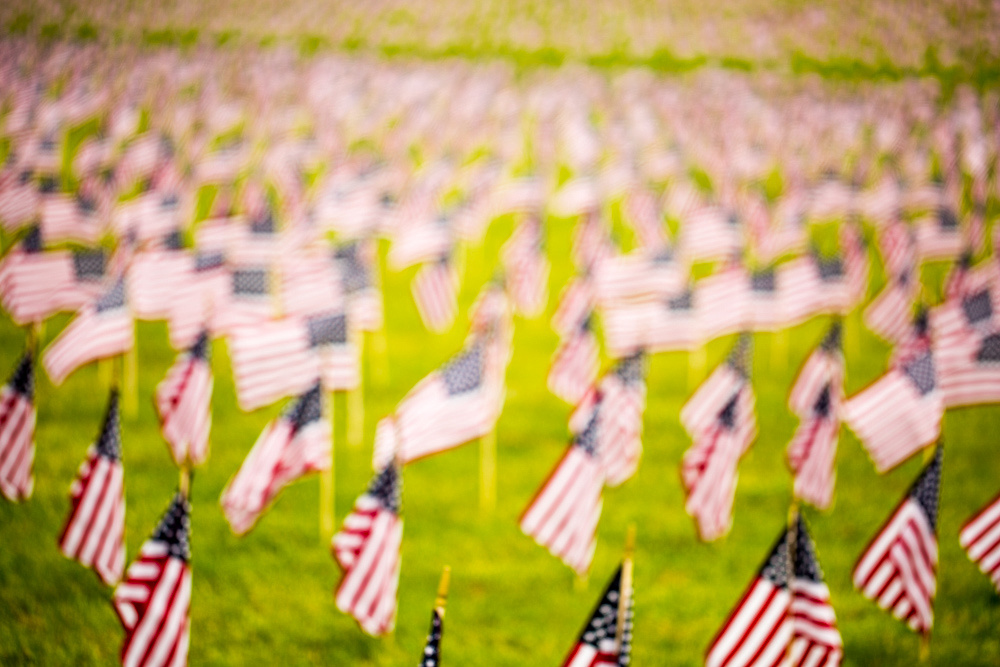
[268, 596]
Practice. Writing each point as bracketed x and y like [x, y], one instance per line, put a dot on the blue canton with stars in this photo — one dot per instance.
[306, 409]
[251, 282]
[112, 299]
[921, 373]
[109, 444]
[23, 379]
[927, 489]
[174, 530]
[387, 489]
[327, 330]
[432, 651]
[464, 373]
[88, 264]
[989, 349]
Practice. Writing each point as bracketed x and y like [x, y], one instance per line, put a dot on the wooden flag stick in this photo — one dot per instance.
[488, 471]
[696, 365]
[380, 356]
[442, 594]
[185, 481]
[130, 381]
[625, 587]
[779, 348]
[925, 647]
[327, 497]
[356, 406]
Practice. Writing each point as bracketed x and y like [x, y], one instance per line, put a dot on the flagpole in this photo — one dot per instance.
[442, 594]
[356, 404]
[625, 588]
[327, 497]
[488, 471]
[130, 381]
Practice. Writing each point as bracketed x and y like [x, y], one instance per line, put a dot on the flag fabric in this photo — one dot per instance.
[816, 398]
[575, 305]
[101, 329]
[599, 643]
[293, 445]
[785, 616]
[898, 570]
[94, 533]
[901, 412]
[435, 291]
[153, 601]
[641, 275]
[967, 345]
[367, 548]
[453, 405]
[17, 432]
[358, 276]
[280, 358]
[891, 311]
[249, 302]
[526, 268]
[184, 404]
[720, 418]
[723, 300]
[563, 515]
[575, 365]
[980, 537]
[201, 284]
[432, 648]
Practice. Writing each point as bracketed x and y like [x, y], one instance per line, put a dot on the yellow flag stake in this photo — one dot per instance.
[327, 498]
[185, 481]
[625, 588]
[696, 365]
[488, 471]
[380, 344]
[356, 404]
[130, 381]
[442, 596]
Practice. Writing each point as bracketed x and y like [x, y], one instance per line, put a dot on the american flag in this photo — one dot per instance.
[901, 412]
[710, 233]
[761, 628]
[816, 398]
[435, 291]
[807, 285]
[939, 237]
[422, 240]
[591, 244]
[577, 196]
[641, 275]
[619, 404]
[980, 537]
[723, 299]
[575, 365]
[17, 432]
[432, 648]
[720, 418]
[279, 358]
[575, 305]
[966, 343]
[607, 639]
[202, 284]
[153, 277]
[563, 515]
[367, 548]
[291, 446]
[358, 276]
[766, 302]
[101, 329]
[19, 202]
[891, 311]
[184, 404]
[527, 268]
[69, 218]
[154, 599]
[898, 569]
[451, 406]
[816, 640]
[250, 300]
[94, 533]
[646, 218]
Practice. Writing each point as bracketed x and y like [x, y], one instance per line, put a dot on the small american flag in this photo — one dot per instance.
[367, 548]
[641, 275]
[645, 215]
[599, 642]
[980, 537]
[720, 419]
[435, 291]
[279, 358]
[94, 533]
[816, 398]
[154, 599]
[291, 446]
[101, 329]
[526, 268]
[358, 280]
[451, 406]
[710, 233]
[575, 305]
[69, 218]
[19, 202]
[575, 365]
[891, 311]
[184, 403]
[202, 284]
[723, 299]
[249, 302]
[619, 407]
[785, 617]
[17, 432]
[939, 237]
[901, 412]
[899, 568]
[563, 515]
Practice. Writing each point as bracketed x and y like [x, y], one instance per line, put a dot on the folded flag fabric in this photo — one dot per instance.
[435, 291]
[101, 329]
[17, 432]
[816, 398]
[94, 533]
[901, 412]
[575, 365]
[980, 537]
[898, 570]
[607, 637]
[184, 404]
[293, 445]
[153, 601]
[367, 548]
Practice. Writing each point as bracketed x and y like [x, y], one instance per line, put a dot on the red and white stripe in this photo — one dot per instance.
[575, 304]
[90, 336]
[980, 537]
[698, 416]
[272, 360]
[636, 276]
[758, 632]
[184, 403]
[646, 218]
[34, 286]
[890, 314]
[17, 444]
[94, 534]
[19, 205]
[435, 291]
[574, 367]
[898, 570]
[280, 456]
[723, 302]
[62, 220]
[526, 269]
[816, 641]
[367, 547]
[153, 604]
[152, 280]
[893, 420]
[563, 516]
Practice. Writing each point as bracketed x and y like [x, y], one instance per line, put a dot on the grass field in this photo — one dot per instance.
[268, 597]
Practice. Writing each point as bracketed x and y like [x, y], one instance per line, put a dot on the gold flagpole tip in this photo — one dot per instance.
[629, 540]
[442, 594]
